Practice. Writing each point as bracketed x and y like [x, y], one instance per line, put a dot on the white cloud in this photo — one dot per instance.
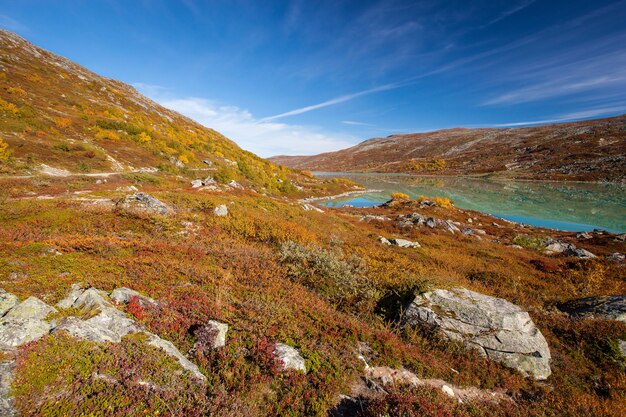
[334, 101]
[352, 123]
[264, 138]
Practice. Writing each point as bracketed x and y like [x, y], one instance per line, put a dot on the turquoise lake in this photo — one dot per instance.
[555, 205]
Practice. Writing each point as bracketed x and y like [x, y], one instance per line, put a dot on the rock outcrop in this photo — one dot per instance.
[612, 307]
[289, 357]
[403, 243]
[27, 321]
[495, 327]
[144, 203]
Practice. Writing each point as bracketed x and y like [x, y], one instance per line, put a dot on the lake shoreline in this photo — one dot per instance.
[468, 176]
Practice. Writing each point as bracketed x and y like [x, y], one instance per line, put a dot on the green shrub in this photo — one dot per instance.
[339, 278]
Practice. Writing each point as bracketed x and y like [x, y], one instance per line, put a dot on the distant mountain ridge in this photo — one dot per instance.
[591, 150]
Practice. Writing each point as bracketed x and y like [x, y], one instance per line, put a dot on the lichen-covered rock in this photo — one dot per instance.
[612, 307]
[289, 357]
[495, 327]
[30, 309]
[7, 301]
[123, 295]
[81, 329]
[7, 408]
[75, 291]
[221, 210]
[171, 350]
[143, 202]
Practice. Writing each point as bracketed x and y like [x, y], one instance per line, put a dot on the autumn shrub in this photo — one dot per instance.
[5, 153]
[339, 278]
[400, 197]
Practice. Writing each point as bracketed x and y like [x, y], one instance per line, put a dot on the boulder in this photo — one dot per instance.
[403, 243]
[196, 184]
[580, 253]
[123, 295]
[7, 408]
[384, 241]
[495, 327]
[75, 291]
[145, 203]
[81, 329]
[211, 336]
[221, 210]
[617, 257]
[7, 301]
[235, 184]
[30, 309]
[289, 357]
[171, 350]
[612, 307]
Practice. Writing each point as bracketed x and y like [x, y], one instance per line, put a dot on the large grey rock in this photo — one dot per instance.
[612, 307]
[580, 253]
[7, 301]
[75, 291]
[80, 329]
[30, 309]
[123, 295]
[289, 357]
[17, 333]
[171, 350]
[144, 203]
[495, 327]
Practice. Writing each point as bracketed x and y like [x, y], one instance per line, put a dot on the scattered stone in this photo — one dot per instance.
[447, 390]
[612, 307]
[143, 202]
[403, 243]
[583, 235]
[559, 247]
[211, 336]
[310, 207]
[495, 327]
[384, 241]
[209, 163]
[289, 357]
[468, 231]
[196, 184]
[221, 210]
[621, 345]
[580, 253]
[235, 184]
[617, 257]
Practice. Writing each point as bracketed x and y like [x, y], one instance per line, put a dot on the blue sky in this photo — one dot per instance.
[302, 77]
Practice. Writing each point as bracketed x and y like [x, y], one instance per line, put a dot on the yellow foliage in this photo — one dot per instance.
[7, 107]
[17, 91]
[144, 137]
[400, 197]
[62, 122]
[439, 201]
[4, 150]
[106, 134]
[183, 158]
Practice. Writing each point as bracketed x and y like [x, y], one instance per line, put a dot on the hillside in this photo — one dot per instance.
[593, 150]
[59, 118]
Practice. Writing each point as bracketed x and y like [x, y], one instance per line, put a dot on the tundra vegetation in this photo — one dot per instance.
[272, 267]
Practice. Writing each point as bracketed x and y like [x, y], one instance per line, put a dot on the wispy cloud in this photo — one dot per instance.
[332, 102]
[8, 23]
[568, 117]
[352, 123]
[516, 8]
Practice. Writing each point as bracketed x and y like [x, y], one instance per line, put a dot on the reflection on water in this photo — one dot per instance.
[558, 205]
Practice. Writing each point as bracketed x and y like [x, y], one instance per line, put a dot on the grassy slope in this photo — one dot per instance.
[57, 113]
[592, 150]
[230, 269]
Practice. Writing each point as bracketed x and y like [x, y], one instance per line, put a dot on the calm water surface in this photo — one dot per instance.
[556, 205]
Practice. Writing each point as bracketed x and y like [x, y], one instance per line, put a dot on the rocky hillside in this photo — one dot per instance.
[593, 150]
[59, 118]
